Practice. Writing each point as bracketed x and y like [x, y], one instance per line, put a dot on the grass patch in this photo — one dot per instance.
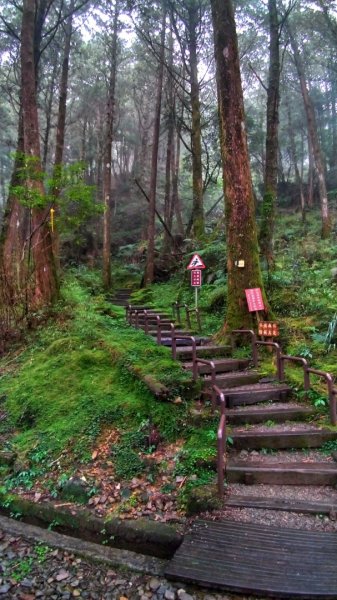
[85, 370]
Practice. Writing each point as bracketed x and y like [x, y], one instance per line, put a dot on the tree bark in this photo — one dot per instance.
[149, 269]
[313, 136]
[107, 163]
[271, 166]
[241, 234]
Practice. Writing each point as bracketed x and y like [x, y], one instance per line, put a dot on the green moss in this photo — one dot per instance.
[87, 371]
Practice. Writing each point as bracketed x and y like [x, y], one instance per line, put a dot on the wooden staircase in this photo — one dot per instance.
[270, 434]
[261, 413]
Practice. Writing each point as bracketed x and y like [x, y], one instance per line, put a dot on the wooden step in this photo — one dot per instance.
[237, 416]
[318, 507]
[299, 473]
[152, 316]
[207, 351]
[200, 341]
[281, 439]
[260, 392]
[166, 331]
[262, 560]
[222, 365]
[233, 380]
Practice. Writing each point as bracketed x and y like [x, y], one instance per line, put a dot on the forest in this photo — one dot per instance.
[134, 135]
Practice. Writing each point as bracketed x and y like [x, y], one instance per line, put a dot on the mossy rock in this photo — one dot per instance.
[202, 498]
[75, 490]
[7, 458]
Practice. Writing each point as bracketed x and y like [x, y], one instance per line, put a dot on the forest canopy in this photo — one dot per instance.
[110, 128]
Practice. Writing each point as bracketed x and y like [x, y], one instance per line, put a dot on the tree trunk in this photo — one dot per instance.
[49, 112]
[175, 185]
[313, 136]
[271, 167]
[61, 126]
[14, 227]
[169, 167]
[45, 281]
[241, 235]
[149, 269]
[293, 154]
[107, 166]
[198, 219]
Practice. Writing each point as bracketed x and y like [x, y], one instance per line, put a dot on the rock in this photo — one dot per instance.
[202, 498]
[4, 589]
[169, 595]
[75, 490]
[182, 595]
[62, 575]
[154, 584]
[244, 454]
[334, 456]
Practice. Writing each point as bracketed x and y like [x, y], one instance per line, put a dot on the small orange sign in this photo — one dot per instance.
[269, 329]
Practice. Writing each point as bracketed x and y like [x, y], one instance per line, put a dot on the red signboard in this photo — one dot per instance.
[254, 299]
[196, 278]
[196, 263]
[268, 329]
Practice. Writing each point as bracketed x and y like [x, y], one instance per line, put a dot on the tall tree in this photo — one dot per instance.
[190, 14]
[107, 162]
[149, 269]
[271, 166]
[313, 135]
[45, 281]
[241, 234]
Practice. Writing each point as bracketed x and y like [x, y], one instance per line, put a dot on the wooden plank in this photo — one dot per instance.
[302, 473]
[272, 413]
[223, 365]
[232, 380]
[203, 351]
[260, 560]
[283, 504]
[282, 439]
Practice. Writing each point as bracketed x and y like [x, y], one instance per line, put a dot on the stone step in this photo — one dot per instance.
[281, 439]
[319, 507]
[301, 473]
[222, 365]
[237, 416]
[233, 379]
[203, 351]
[253, 394]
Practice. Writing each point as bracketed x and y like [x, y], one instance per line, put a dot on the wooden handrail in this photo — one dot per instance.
[221, 441]
[253, 340]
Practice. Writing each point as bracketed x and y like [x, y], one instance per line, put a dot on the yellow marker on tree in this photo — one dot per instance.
[52, 210]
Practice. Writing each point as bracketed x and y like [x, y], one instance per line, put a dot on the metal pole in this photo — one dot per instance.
[196, 297]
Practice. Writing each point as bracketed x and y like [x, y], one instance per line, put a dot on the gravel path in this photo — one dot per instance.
[30, 570]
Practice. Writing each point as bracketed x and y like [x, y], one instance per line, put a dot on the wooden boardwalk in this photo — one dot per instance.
[260, 560]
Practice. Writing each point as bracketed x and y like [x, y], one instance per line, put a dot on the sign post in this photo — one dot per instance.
[195, 265]
[196, 280]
